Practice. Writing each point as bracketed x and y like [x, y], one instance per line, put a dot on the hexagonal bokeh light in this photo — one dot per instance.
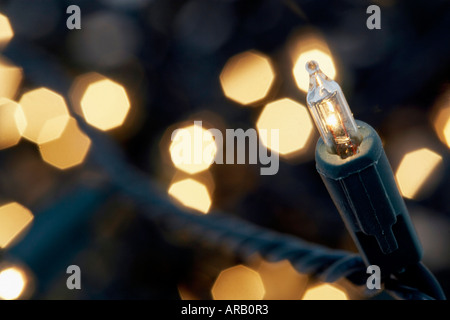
[12, 123]
[6, 31]
[238, 283]
[10, 78]
[14, 219]
[325, 292]
[191, 194]
[281, 281]
[46, 113]
[293, 121]
[247, 77]
[192, 149]
[69, 150]
[104, 103]
[415, 169]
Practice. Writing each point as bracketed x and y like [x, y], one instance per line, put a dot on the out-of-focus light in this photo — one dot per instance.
[10, 79]
[193, 149]
[192, 194]
[325, 292]
[105, 103]
[247, 77]
[14, 218]
[205, 178]
[46, 114]
[441, 121]
[69, 150]
[281, 280]
[414, 170]
[6, 32]
[12, 123]
[238, 283]
[12, 283]
[293, 122]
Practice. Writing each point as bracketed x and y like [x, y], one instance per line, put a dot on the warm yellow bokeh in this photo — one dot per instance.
[46, 114]
[12, 283]
[192, 149]
[12, 123]
[324, 60]
[6, 31]
[325, 292]
[69, 150]
[14, 218]
[104, 103]
[414, 170]
[238, 283]
[441, 121]
[205, 178]
[293, 121]
[247, 77]
[281, 281]
[192, 194]
[10, 79]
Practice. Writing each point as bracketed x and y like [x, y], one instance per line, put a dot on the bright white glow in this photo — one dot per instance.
[332, 121]
[12, 283]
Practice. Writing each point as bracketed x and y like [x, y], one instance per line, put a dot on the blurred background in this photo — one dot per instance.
[86, 114]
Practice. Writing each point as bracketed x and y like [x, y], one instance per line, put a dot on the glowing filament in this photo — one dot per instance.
[331, 113]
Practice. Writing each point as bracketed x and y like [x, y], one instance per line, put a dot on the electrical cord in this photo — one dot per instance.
[420, 276]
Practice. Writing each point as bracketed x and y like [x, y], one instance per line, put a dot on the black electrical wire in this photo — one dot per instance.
[419, 276]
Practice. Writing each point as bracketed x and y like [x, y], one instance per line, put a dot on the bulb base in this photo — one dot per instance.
[365, 193]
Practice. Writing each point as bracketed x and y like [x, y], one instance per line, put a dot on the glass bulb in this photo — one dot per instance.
[331, 113]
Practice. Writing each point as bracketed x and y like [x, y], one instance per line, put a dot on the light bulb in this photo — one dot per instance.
[331, 113]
